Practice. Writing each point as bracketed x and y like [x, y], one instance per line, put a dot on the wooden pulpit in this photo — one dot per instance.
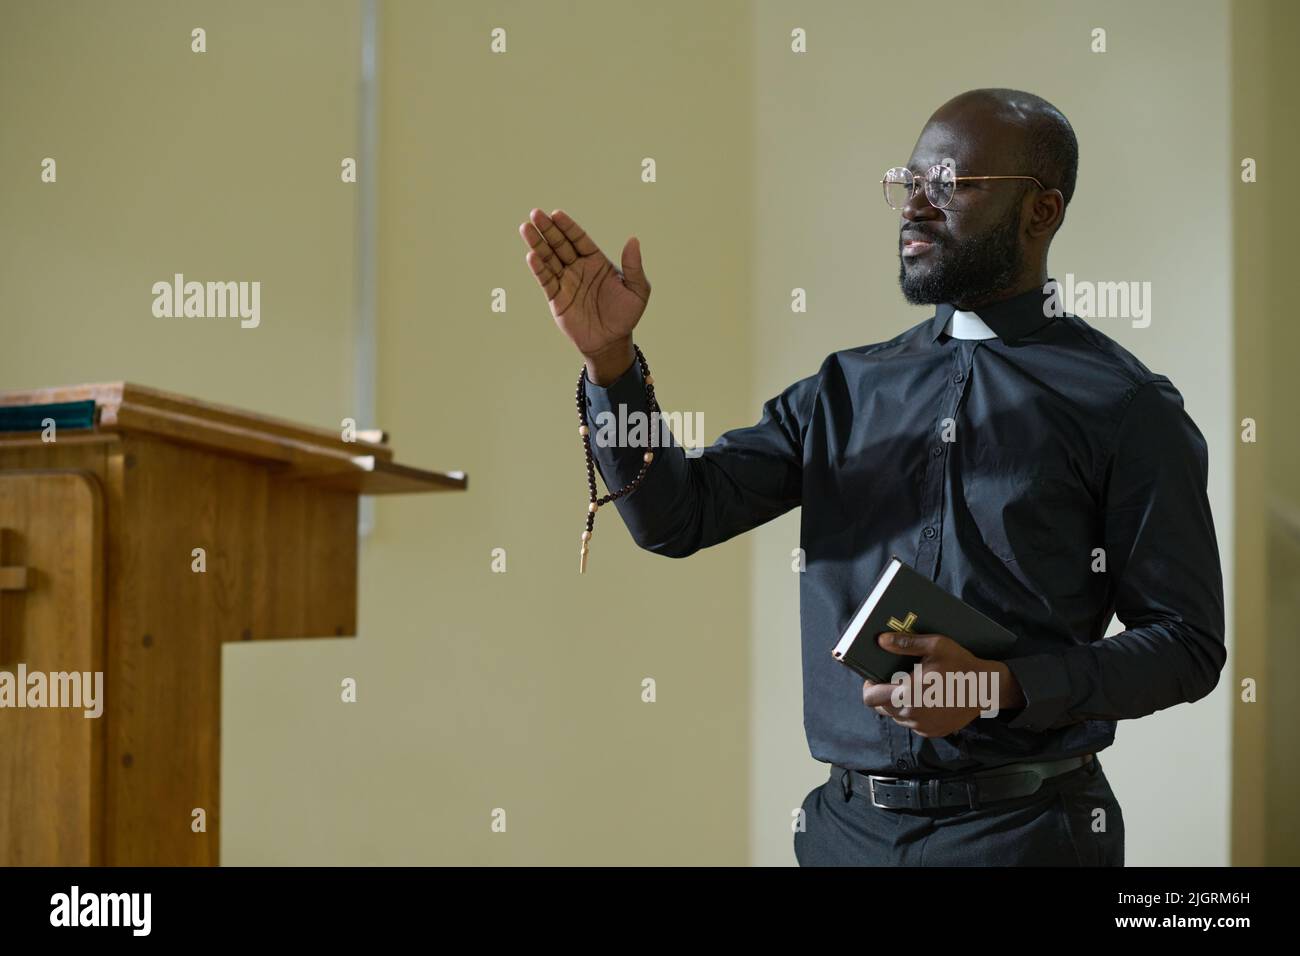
[139, 531]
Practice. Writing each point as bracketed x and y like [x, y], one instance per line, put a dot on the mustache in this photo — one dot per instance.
[919, 234]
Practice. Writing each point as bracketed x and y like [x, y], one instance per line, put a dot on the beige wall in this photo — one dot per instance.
[521, 690]
[1283, 336]
[223, 166]
[1266, 765]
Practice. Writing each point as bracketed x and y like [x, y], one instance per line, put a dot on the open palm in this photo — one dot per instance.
[593, 303]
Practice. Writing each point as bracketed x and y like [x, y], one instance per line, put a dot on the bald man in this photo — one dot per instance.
[1012, 453]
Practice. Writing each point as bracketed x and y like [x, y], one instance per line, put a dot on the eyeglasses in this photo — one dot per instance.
[940, 185]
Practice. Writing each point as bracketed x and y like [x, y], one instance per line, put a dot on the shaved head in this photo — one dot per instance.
[990, 240]
[1048, 149]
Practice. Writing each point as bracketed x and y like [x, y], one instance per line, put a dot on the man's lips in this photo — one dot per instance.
[916, 246]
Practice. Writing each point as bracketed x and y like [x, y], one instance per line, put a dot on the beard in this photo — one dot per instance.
[970, 270]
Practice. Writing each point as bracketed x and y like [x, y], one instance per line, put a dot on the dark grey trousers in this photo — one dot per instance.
[1060, 825]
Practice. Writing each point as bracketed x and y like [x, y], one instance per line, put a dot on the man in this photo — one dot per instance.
[1016, 456]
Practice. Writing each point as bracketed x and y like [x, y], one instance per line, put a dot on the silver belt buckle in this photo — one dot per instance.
[871, 789]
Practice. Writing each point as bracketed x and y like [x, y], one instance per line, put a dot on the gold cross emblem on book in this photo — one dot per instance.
[904, 625]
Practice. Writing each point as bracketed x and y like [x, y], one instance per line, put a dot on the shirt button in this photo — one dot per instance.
[938, 450]
[928, 531]
[957, 377]
[902, 763]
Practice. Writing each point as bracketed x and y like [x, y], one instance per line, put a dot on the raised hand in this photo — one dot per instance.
[593, 303]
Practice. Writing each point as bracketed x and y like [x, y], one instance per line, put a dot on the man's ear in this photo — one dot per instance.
[1047, 213]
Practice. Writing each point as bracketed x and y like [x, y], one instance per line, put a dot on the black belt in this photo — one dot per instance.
[969, 790]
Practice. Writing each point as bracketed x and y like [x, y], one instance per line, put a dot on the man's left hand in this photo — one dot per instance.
[942, 655]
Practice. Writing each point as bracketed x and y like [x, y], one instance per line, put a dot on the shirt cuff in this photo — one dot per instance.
[1045, 683]
[617, 464]
[628, 388]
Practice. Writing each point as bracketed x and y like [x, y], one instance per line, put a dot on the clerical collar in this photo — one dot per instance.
[1009, 320]
[968, 325]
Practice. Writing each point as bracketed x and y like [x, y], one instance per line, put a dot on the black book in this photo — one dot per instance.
[905, 600]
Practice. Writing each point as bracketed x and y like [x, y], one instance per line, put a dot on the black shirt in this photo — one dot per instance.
[1046, 477]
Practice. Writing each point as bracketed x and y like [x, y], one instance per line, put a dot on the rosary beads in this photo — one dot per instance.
[594, 503]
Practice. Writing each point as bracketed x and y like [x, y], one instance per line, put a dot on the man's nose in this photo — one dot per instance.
[918, 206]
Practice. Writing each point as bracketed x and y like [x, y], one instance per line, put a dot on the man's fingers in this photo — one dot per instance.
[533, 239]
[553, 236]
[901, 715]
[545, 277]
[917, 645]
[879, 695]
[582, 243]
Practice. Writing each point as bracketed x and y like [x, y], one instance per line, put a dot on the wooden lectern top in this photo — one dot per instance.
[321, 457]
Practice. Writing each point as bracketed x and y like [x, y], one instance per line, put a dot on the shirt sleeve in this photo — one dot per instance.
[747, 477]
[1162, 554]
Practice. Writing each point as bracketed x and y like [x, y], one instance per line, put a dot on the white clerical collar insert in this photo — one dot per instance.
[968, 325]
